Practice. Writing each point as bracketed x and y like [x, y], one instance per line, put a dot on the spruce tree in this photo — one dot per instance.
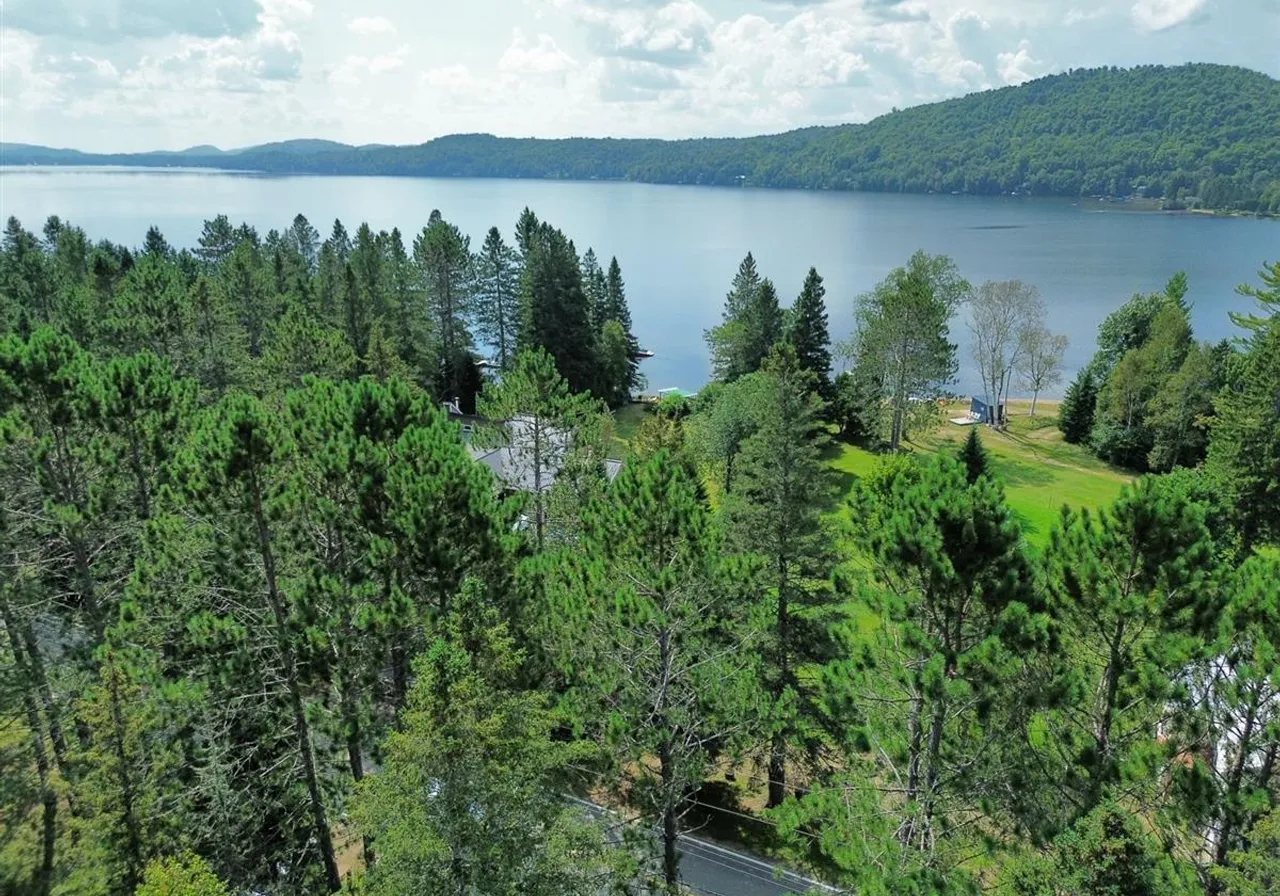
[624, 378]
[555, 315]
[977, 463]
[731, 341]
[498, 297]
[807, 333]
[593, 284]
[1075, 415]
[1244, 446]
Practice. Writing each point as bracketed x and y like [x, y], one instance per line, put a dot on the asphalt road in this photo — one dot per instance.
[713, 870]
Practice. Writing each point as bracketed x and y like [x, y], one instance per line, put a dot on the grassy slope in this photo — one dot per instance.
[1040, 471]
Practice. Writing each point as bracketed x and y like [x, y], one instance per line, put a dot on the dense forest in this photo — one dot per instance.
[267, 624]
[1204, 136]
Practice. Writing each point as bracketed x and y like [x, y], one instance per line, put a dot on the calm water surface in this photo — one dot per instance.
[679, 246]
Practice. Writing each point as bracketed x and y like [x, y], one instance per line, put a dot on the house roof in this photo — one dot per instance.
[514, 465]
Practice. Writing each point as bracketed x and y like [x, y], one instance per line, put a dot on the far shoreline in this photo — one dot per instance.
[1088, 203]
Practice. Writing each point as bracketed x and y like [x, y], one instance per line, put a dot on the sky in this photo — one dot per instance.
[129, 75]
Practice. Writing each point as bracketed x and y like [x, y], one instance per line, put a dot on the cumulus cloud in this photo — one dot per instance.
[1160, 15]
[1018, 66]
[366, 25]
[674, 34]
[538, 57]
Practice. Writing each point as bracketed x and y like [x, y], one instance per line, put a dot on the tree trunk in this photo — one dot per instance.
[40, 681]
[778, 746]
[1102, 738]
[1034, 396]
[305, 749]
[48, 796]
[670, 822]
[1230, 814]
[132, 830]
[538, 498]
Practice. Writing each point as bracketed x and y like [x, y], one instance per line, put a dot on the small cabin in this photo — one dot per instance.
[981, 412]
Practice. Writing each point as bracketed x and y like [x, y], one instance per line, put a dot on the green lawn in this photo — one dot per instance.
[626, 420]
[1040, 471]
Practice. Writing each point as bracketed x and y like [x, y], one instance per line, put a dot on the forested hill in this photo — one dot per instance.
[1194, 135]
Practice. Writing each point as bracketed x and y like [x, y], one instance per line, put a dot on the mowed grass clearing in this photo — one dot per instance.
[1039, 470]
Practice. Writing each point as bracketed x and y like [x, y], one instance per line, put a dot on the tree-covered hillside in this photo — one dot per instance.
[1195, 135]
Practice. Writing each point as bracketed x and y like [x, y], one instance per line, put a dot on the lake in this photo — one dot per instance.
[680, 246]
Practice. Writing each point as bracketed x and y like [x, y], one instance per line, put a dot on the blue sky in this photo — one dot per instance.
[140, 74]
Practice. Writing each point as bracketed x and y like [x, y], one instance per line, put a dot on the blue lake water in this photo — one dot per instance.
[679, 246]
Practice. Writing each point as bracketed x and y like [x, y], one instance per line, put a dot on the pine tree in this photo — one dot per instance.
[1124, 586]
[649, 627]
[381, 360]
[960, 604]
[1075, 415]
[977, 463]
[408, 323]
[807, 333]
[539, 422]
[217, 240]
[233, 474]
[148, 309]
[218, 353]
[305, 240]
[468, 799]
[301, 344]
[775, 510]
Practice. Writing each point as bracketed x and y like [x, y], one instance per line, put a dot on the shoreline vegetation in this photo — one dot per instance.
[1195, 137]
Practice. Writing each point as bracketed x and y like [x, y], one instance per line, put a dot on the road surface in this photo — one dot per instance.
[710, 869]
[713, 870]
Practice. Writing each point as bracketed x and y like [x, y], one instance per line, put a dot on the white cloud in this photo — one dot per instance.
[366, 25]
[355, 69]
[1160, 15]
[141, 73]
[1076, 16]
[675, 33]
[539, 57]
[1018, 66]
[288, 10]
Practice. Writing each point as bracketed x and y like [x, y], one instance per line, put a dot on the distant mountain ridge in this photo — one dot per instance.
[1198, 134]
